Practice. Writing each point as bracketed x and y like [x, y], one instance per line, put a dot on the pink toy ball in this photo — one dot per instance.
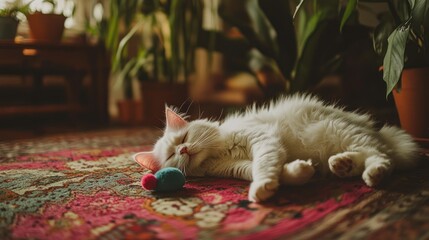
[149, 182]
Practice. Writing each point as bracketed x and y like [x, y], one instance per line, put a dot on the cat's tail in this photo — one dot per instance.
[402, 147]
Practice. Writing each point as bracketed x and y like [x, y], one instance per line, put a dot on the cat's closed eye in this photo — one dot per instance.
[169, 157]
[184, 138]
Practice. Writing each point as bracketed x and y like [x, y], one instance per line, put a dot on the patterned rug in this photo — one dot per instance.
[85, 186]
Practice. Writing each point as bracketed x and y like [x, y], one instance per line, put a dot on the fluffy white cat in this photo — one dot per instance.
[284, 142]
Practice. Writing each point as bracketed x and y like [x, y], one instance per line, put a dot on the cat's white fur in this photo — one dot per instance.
[285, 142]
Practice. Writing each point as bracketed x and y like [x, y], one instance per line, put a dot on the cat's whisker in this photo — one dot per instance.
[180, 108]
[199, 111]
[189, 106]
[220, 115]
[183, 169]
[205, 140]
[203, 137]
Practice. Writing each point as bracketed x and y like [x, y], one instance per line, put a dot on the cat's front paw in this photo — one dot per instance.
[262, 190]
[297, 172]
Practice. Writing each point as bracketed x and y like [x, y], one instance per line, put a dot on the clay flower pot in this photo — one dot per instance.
[130, 112]
[46, 27]
[412, 102]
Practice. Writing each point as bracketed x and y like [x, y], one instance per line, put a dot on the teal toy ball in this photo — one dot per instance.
[165, 180]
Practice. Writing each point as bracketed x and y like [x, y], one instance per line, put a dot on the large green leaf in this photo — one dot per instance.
[252, 22]
[393, 63]
[419, 12]
[279, 15]
[311, 26]
[351, 6]
[305, 65]
[401, 10]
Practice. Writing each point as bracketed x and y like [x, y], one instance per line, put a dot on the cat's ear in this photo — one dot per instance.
[147, 160]
[173, 120]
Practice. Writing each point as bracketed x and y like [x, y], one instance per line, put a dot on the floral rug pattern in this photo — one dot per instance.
[85, 186]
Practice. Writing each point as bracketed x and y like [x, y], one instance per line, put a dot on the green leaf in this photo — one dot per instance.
[418, 12]
[351, 6]
[247, 16]
[394, 60]
[402, 10]
[413, 2]
[124, 41]
[310, 27]
[301, 30]
[298, 7]
[305, 65]
[278, 13]
[176, 24]
[382, 33]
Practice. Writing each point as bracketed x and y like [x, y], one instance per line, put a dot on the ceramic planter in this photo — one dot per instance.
[130, 112]
[46, 27]
[412, 102]
[8, 28]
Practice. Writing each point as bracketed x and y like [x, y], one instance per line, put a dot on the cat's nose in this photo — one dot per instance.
[184, 150]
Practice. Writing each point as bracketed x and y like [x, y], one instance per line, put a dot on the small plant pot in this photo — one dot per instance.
[8, 28]
[130, 112]
[46, 27]
[412, 102]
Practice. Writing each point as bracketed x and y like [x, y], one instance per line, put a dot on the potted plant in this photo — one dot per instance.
[406, 62]
[9, 20]
[121, 17]
[294, 51]
[402, 40]
[47, 24]
[153, 52]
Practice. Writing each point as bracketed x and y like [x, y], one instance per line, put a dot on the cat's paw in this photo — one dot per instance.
[297, 172]
[375, 173]
[345, 164]
[262, 190]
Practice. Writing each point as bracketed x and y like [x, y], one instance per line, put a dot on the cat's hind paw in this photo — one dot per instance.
[375, 173]
[346, 164]
[261, 190]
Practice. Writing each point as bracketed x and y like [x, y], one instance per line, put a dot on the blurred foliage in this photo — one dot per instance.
[401, 37]
[158, 42]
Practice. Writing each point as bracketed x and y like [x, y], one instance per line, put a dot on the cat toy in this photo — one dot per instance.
[165, 180]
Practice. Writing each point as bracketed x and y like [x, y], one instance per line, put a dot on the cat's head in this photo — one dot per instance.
[184, 145]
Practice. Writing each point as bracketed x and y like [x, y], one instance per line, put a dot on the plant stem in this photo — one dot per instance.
[128, 88]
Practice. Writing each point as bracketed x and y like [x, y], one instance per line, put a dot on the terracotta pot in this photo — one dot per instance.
[154, 97]
[412, 102]
[46, 27]
[8, 27]
[130, 112]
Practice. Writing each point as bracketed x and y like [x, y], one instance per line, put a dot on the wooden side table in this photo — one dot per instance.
[73, 61]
